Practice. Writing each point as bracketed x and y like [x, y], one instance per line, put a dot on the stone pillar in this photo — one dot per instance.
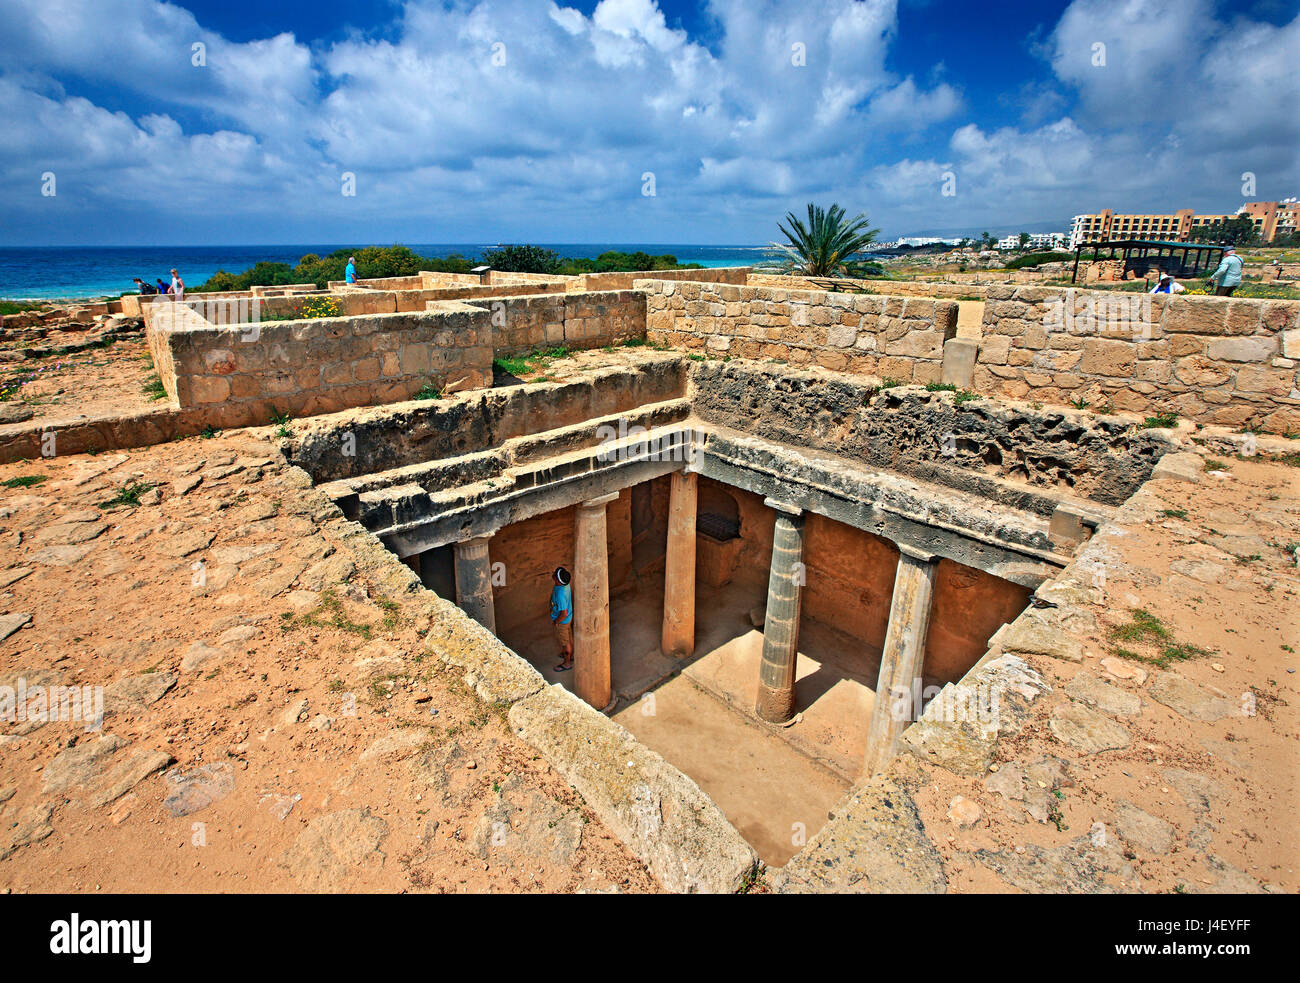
[781, 622]
[679, 566]
[902, 657]
[474, 582]
[591, 602]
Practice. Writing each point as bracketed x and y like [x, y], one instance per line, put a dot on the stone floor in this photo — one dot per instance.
[775, 784]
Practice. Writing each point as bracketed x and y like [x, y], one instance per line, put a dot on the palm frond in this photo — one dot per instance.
[826, 242]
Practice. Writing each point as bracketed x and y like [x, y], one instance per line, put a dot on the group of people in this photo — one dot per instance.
[175, 289]
[1225, 280]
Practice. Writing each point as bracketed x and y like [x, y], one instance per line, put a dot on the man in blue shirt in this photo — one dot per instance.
[350, 273]
[562, 616]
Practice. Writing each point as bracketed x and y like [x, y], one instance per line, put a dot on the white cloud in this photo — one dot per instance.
[519, 119]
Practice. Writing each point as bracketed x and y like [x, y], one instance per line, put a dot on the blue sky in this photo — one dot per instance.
[630, 120]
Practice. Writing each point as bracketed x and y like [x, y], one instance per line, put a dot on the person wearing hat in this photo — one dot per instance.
[1227, 277]
[562, 616]
[1168, 285]
[350, 273]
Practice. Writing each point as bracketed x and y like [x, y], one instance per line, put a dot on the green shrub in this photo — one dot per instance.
[1036, 259]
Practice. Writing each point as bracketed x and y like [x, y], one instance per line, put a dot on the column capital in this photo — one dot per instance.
[600, 502]
[920, 555]
[785, 507]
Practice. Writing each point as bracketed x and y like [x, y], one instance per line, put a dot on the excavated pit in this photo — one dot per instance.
[999, 496]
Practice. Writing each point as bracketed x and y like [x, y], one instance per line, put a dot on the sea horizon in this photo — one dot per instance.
[75, 272]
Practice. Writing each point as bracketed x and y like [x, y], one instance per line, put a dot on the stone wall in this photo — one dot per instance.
[625, 281]
[1209, 359]
[896, 337]
[417, 433]
[893, 288]
[996, 451]
[590, 320]
[317, 366]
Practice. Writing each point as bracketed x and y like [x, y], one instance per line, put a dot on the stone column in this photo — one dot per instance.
[591, 602]
[902, 657]
[781, 622]
[679, 566]
[474, 582]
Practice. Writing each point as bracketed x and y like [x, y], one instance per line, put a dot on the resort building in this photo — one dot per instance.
[1271, 219]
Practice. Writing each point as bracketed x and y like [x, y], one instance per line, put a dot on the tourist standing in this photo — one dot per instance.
[178, 287]
[562, 616]
[162, 287]
[1227, 277]
[144, 288]
[350, 274]
[1168, 285]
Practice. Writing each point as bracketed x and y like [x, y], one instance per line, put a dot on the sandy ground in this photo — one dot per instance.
[1213, 779]
[273, 719]
[90, 383]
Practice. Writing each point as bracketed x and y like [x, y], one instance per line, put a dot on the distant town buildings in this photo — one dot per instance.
[1039, 241]
[1271, 219]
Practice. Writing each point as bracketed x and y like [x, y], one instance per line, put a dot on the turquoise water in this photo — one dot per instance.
[90, 271]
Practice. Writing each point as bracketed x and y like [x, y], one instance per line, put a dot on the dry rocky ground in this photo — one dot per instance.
[1162, 757]
[275, 717]
[91, 382]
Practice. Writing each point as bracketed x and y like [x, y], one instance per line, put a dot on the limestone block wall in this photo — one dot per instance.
[894, 288]
[427, 280]
[1209, 359]
[895, 337]
[588, 320]
[245, 373]
[625, 281]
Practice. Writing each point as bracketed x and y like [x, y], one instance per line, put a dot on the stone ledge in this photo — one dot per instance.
[660, 814]
[491, 670]
[874, 843]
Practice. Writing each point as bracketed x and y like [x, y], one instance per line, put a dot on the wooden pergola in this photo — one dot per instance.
[1202, 257]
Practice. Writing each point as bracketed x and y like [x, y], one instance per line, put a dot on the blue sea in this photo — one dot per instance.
[55, 272]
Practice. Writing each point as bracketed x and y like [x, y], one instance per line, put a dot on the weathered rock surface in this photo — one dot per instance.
[1186, 698]
[328, 852]
[135, 693]
[1086, 730]
[1078, 867]
[195, 790]
[80, 764]
[875, 843]
[524, 824]
[1142, 830]
[126, 775]
[961, 726]
[1087, 688]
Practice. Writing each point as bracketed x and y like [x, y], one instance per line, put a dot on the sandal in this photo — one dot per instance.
[563, 668]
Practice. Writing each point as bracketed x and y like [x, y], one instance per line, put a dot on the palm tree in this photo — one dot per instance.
[823, 246]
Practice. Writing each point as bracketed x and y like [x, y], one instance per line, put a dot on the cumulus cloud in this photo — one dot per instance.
[514, 118]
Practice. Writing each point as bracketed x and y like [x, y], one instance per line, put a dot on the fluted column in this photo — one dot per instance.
[474, 582]
[679, 566]
[591, 602]
[902, 658]
[781, 622]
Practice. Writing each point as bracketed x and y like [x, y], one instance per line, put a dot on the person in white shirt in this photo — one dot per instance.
[178, 286]
[1168, 285]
